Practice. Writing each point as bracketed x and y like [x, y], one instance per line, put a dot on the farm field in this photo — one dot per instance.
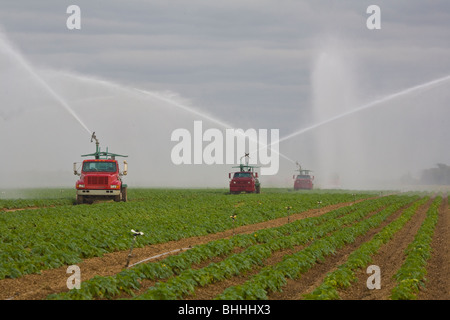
[205, 244]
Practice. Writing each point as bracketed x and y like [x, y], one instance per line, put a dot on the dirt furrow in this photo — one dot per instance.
[296, 288]
[437, 286]
[389, 258]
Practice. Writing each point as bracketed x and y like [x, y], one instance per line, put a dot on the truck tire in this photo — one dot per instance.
[124, 195]
[117, 198]
[258, 188]
[80, 199]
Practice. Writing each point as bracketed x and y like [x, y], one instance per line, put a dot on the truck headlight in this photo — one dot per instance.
[81, 186]
[113, 186]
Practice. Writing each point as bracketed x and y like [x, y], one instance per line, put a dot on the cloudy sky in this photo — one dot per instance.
[251, 64]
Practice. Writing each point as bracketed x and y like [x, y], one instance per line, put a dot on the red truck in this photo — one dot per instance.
[244, 180]
[303, 180]
[100, 178]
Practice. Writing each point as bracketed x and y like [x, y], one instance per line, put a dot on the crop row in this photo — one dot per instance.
[44, 238]
[299, 230]
[412, 273]
[344, 275]
[272, 278]
[186, 282]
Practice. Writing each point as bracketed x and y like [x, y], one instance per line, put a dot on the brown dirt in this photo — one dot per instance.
[296, 288]
[437, 286]
[39, 286]
[389, 258]
[212, 290]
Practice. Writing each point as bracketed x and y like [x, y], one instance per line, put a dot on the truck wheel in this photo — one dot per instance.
[117, 198]
[80, 199]
[124, 195]
[258, 189]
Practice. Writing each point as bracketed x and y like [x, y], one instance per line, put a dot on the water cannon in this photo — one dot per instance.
[93, 137]
[102, 154]
[245, 166]
[301, 171]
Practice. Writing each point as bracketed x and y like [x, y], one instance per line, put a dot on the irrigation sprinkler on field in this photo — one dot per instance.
[319, 203]
[135, 233]
[288, 211]
[233, 217]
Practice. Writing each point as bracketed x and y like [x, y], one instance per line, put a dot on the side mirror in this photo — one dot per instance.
[229, 175]
[293, 177]
[75, 172]
[125, 168]
[256, 174]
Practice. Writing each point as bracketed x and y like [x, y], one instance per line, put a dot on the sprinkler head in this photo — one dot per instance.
[136, 233]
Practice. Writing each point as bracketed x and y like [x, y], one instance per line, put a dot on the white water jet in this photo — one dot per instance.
[171, 99]
[7, 48]
[374, 103]
[352, 144]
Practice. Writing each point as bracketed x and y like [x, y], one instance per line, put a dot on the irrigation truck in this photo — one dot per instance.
[303, 180]
[244, 180]
[100, 177]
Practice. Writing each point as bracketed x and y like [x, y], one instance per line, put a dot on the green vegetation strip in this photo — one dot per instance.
[129, 280]
[187, 281]
[345, 274]
[50, 237]
[412, 273]
[272, 278]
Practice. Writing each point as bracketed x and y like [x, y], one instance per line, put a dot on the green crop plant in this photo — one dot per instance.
[412, 274]
[292, 266]
[361, 257]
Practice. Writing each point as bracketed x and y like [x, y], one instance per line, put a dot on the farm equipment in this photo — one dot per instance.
[303, 180]
[100, 177]
[246, 179]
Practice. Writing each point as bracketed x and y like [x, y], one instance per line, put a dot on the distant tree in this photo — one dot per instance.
[436, 176]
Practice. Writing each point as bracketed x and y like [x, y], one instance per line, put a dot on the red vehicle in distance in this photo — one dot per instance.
[244, 180]
[303, 180]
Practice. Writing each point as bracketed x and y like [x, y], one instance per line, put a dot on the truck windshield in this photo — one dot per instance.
[303, 177]
[99, 166]
[242, 175]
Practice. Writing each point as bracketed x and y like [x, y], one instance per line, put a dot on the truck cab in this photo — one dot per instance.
[244, 180]
[100, 178]
[303, 181]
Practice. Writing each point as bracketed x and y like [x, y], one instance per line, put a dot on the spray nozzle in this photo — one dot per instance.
[93, 137]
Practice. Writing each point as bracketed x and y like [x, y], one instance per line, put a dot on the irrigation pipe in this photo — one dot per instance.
[159, 255]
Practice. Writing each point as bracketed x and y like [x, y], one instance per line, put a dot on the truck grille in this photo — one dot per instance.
[97, 180]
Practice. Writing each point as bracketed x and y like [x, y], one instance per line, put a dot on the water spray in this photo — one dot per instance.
[22, 62]
[368, 105]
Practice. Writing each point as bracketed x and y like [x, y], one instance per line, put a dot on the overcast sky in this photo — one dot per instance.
[248, 63]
